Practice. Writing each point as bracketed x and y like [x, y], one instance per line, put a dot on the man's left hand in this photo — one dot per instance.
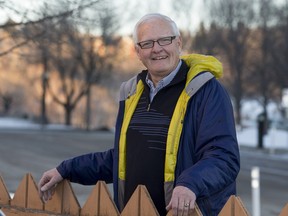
[182, 202]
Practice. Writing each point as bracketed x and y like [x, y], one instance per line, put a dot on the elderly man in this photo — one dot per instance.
[175, 131]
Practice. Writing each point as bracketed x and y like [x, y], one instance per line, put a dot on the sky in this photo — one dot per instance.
[135, 8]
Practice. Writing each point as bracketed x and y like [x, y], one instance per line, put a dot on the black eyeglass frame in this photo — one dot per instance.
[159, 41]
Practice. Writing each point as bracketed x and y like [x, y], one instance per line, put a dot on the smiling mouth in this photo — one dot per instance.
[160, 58]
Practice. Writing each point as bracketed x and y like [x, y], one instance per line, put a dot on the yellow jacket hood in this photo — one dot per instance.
[199, 63]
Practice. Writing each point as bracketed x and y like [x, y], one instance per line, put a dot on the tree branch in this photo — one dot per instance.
[55, 16]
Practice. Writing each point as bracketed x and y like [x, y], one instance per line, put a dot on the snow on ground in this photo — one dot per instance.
[7, 122]
[18, 123]
[248, 136]
[273, 139]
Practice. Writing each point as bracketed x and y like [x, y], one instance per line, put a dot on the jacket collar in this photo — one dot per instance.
[179, 77]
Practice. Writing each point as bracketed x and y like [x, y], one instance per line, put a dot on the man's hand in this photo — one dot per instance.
[47, 184]
[182, 202]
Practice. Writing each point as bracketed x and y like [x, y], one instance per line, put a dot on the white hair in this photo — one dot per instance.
[150, 16]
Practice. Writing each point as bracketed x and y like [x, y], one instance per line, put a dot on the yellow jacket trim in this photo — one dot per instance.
[130, 106]
[197, 64]
[173, 137]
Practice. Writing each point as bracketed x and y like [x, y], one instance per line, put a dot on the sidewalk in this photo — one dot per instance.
[276, 154]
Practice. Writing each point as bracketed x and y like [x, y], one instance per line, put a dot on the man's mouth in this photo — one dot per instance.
[159, 57]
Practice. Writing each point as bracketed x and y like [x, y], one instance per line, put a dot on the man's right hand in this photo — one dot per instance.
[48, 183]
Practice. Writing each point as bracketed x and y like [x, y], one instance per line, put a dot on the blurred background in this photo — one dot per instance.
[62, 63]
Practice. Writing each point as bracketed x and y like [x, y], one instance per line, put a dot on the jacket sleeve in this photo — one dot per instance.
[214, 151]
[89, 168]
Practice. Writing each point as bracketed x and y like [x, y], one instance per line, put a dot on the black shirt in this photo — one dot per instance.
[146, 139]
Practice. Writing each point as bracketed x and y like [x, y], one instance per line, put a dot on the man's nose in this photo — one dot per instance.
[156, 47]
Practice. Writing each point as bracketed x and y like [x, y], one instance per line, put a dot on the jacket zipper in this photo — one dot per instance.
[148, 107]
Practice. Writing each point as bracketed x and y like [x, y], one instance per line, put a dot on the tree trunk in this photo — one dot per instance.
[88, 110]
[68, 115]
[44, 119]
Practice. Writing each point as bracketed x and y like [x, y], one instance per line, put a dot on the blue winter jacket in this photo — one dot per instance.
[206, 156]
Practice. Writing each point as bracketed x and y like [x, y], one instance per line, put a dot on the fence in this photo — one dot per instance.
[26, 202]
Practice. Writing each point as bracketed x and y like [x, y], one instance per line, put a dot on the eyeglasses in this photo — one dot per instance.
[161, 41]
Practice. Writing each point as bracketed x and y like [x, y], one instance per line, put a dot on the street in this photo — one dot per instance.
[273, 180]
[35, 151]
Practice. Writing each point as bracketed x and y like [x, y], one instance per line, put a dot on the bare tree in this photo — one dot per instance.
[38, 35]
[208, 41]
[234, 17]
[279, 47]
[99, 64]
[7, 100]
[26, 20]
[264, 72]
[64, 54]
[82, 59]
[48, 37]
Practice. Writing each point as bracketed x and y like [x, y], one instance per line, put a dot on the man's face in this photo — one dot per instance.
[159, 60]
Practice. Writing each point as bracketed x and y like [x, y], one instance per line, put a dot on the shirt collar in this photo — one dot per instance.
[165, 81]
